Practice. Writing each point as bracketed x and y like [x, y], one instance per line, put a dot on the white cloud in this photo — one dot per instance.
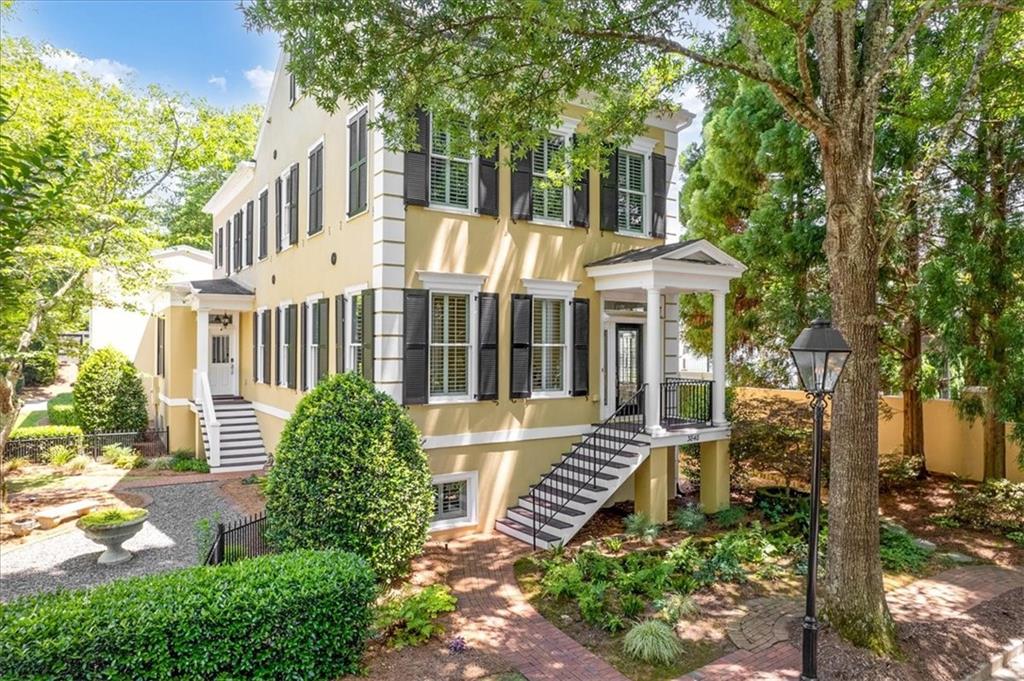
[107, 71]
[219, 81]
[260, 79]
[691, 101]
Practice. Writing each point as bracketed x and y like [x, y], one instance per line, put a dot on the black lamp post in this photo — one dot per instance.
[819, 352]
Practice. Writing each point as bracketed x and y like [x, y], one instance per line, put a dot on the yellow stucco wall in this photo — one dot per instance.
[951, 445]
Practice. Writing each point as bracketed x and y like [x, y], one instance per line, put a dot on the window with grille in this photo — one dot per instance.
[451, 500]
[548, 200]
[283, 348]
[449, 174]
[548, 345]
[285, 201]
[260, 321]
[449, 344]
[355, 336]
[632, 192]
[312, 332]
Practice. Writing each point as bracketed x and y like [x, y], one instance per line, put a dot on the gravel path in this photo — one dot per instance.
[68, 560]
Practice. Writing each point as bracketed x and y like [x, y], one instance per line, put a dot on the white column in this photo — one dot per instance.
[718, 359]
[653, 374]
[202, 341]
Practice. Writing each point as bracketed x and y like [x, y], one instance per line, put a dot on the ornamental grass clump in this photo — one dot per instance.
[654, 642]
[689, 518]
[349, 473]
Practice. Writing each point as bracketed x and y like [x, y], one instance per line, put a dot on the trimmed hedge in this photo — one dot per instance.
[302, 615]
[109, 397]
[33, 441]
[40, 368]
[349, 473]
[60, 411]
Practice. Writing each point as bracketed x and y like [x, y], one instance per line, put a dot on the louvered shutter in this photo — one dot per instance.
[293, 208]
[610, 194]
[304, 321]
[581, 200]
[255, 348]
[417, 175]
[416, 313]
[487, 388]
[522, 186]
[368, 324]
[293, 339]
[238, 241]
[322, 344]
[277, 344]
[522, 341]
[659, 192]
[339, 333]
[316, 194]
[267, 349]
[277, 214]
[160, 341]
[249, 218]
[580, 347]
[487, 185]
[263, 225]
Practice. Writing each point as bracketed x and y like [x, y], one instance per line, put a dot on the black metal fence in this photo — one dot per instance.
[685, 401]
[243, 538]
[91, 444]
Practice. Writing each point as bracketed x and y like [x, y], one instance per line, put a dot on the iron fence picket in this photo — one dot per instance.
[242, 538]
[686, 401]
[92, 444]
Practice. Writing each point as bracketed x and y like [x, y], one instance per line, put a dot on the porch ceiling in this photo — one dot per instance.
[686, 266]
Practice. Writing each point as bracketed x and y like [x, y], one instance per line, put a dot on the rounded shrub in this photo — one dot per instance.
[108, 393]
[302, 615]
[40, 368]
[349, 473]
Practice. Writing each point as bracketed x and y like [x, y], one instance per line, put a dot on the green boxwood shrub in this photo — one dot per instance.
[40, 368]
[349, 473]
[60, 411]
[108, 394]
[302, 615]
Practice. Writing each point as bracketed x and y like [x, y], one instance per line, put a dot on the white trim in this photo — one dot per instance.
[358, 288]
[472, 479]
[473, 159]
[567, 346]
[229, 190]
[256, 225]
[282, 243]
[313, 297]
[550, 288]
[452, 282]
[641, 145]
[314, 146]
[312, 357]
[174, 401]
[472, 350]
[501, 436]
[271, 410]
[355, 113]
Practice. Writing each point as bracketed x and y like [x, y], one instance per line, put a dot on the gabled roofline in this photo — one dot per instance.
[242, 174]
[265, 119]
[206, 256]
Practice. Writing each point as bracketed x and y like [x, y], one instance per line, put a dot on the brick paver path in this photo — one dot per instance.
[493, 613]
[765, 624]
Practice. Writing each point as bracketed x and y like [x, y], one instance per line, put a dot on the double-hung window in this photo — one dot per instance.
[549, 345]
[449, 344]
[632, 215]
[449, 173]
[548, 200]
[284, 349]
[284, 201]
[260, 319]
[311, 335]
[357, 152]
[354, 361]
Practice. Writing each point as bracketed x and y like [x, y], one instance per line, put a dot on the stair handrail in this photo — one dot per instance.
[204, 395]
[630, 411]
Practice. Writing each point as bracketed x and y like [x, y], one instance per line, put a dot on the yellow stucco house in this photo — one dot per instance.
[531, 332]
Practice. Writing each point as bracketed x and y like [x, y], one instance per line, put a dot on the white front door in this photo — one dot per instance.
[222, 365]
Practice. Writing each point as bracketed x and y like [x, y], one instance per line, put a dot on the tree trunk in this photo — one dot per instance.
[854, 598]
[913, 405]
[995, 440]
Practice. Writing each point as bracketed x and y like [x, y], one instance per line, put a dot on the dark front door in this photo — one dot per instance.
[629, 367]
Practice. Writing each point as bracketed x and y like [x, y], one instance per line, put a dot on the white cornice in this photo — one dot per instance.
[451, 281]
[550, 288]
[242, 175]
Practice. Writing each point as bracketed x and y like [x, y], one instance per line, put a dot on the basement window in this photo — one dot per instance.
[454, 500]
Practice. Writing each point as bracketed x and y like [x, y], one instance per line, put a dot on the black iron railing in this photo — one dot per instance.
[578, 471]
[685, 401]
[243, 538]
[92, 444]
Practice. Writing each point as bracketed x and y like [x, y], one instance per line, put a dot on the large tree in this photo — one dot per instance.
[511, 65]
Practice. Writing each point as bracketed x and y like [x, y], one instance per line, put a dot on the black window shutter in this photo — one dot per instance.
[267, 349]
[581, 200]
[659, 190]
[416, 314]
[417, 176]
[293, 209]
[580, 347]
[364, 150]
[522, 341]
[293, 338]
[339, 333]
[248, 232]
[487, 388]
[487, 185]
[353, 172]
[277, 344]
[238, 241]
[610, 194]
[322, 345]
[160, 346]
[367, 298]
[316, 160]
[255, 349]
[522, 188]
[263, 225]
[277, 214]
[304, 321]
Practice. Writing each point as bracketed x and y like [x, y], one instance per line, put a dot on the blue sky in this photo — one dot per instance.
[199, 47]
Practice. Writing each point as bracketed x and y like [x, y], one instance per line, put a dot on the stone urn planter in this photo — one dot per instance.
[23, 528]
[112, 530]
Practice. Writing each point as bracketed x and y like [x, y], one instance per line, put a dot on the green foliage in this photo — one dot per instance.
[73, 433]
[674, 607]
[60, 411]
[613, 544]
[899, 552]
[896, 470]
[944, 520]
[640, 526]
[40, 368]
[689, 518]
[122, 456]
[185, 461]
[111, 517]
[308, 611]
[652, 641]
[776, 504]
[77, 464]
[411, 619]
[108, 394]
[562, 580]
[205, 533]
[994, 504]
[632, 605]
[730, 517]
[350, 473]
[684, 556]
[58, 455]
[772, 438]
[1017, 537]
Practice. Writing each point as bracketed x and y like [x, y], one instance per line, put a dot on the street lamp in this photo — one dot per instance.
[819, 352]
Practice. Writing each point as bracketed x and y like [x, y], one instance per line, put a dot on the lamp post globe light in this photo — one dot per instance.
[819, 353]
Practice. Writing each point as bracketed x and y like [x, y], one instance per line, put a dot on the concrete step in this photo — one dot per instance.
[525, 517]
[523, 533]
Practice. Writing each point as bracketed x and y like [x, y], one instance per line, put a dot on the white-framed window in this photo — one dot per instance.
[283, 350]
[550, 203]
[451, 181]
[284, 200]
[454, 500]
[450, 347]
[311, 334]
[354, 356]
[549, 346]
[633, 192]
[261, 350]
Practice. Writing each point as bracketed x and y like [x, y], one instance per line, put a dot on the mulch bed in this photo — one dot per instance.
[946, 650]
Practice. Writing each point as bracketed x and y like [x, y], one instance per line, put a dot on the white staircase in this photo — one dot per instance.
[240, 441]
[587, 476]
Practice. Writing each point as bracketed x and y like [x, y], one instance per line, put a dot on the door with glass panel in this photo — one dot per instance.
[222, 366]
[629, 370]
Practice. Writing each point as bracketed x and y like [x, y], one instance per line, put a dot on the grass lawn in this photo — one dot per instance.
[27, 419]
